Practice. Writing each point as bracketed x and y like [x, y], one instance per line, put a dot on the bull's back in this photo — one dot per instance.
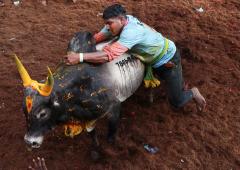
[123, 76]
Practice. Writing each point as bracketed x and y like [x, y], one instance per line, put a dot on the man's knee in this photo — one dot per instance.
[176, 103]
[180, 99]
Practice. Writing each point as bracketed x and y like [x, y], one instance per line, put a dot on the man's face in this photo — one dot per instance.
[115, 25]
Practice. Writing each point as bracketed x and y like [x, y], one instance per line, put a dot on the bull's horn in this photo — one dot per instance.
[23, 72]
[46, 89]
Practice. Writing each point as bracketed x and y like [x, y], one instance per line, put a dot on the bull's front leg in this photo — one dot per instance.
[95, 144]
[93, 135]
[113, 122]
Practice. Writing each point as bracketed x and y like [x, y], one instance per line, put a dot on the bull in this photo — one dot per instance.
[83, 92]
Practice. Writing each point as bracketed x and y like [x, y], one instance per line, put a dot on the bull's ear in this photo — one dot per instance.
[46, 89]
[91, 42]
[90, 38]
[89, 35]
[55, 100]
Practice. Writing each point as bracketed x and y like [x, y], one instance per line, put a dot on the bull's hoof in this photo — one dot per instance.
[95, 155]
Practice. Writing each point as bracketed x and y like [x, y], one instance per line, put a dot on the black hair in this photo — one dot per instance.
[114, 11]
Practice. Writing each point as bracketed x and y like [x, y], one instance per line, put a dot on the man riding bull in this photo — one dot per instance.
[157, 52]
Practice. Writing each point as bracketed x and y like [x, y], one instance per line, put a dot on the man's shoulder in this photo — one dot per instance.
[130, 32]
[133, 21]
[133, 27]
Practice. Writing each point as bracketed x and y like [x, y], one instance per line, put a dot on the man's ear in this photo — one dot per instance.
[122, 18]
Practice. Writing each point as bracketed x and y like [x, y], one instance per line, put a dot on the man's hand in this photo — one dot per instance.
[72, 58]
[38, 164]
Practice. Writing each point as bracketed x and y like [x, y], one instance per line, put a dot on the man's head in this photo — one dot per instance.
[115, 18]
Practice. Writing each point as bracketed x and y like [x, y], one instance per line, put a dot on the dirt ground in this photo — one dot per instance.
[209, 43]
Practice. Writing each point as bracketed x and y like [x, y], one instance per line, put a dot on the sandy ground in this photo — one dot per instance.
[209, 42]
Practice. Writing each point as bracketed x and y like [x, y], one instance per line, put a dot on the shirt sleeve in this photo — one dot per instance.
[99, 37]
[102, 35]
[114, 50]
[130, 38]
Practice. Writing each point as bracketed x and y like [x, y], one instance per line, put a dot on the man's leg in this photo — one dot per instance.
[178, 97]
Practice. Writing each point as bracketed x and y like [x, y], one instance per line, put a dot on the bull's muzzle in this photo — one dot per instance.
[33, 141]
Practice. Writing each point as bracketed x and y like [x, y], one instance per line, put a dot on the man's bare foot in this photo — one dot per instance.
[199, 99]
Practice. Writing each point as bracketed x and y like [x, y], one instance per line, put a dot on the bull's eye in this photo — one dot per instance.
[41, 115]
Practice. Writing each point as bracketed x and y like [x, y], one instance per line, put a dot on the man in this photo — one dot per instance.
[151, 48]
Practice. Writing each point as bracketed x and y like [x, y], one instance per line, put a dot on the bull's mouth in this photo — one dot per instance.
[33, 141]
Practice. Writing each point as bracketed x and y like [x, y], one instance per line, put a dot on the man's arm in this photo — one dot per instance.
[103, 35]
[94, 57]
[109, 53]
[99, 37]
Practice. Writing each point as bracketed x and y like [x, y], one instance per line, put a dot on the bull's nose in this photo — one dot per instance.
[34, 142]
[35, 145]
